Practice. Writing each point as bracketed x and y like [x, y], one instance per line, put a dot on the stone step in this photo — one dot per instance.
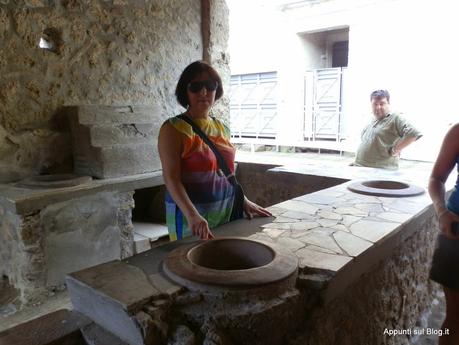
[153, 231]
[146, 233]
[141, 243]
[59, 327]
[114, 141]
[116, 161]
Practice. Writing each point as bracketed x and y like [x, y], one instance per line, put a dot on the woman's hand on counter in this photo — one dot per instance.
[199, 227]
[251, 209]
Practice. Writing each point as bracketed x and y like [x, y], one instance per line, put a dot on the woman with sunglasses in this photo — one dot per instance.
[198, 196]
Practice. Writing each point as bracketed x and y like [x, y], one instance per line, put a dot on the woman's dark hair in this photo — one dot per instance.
[379, 94]
[191, 72]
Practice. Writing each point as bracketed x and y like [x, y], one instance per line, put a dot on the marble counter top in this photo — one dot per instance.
[342, 234]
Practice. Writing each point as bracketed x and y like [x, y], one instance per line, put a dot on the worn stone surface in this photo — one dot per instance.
[85, 232]
[59, 327]
[321, 239]
[113, 295]
[299, 206]
[351, 244]
[124, 284]
[371, 230]
[112, 52]
[393, 295]
[318, 259]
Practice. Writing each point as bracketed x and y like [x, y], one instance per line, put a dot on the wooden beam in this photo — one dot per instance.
[205, 29]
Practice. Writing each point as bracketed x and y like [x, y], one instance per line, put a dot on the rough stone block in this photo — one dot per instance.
[110, 141]
[80, 233]
[141, 243]
[111, 295]
[116, 161]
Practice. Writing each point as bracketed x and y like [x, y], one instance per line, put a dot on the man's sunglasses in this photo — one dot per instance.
[196, 86]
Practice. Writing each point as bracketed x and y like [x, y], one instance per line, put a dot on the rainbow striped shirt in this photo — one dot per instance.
[211, 193]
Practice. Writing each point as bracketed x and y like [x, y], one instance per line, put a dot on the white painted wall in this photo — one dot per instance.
[400, 45]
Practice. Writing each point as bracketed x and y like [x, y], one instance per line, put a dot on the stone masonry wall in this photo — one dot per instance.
[21, 253]
[269, 188]
[65, 237]
[396, 294]
[112, 52]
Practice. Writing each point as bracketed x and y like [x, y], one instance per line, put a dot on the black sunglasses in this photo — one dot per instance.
[196, 86]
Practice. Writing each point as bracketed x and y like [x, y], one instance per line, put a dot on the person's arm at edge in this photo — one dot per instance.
[442, 168]
[407, 132]
[170, 147]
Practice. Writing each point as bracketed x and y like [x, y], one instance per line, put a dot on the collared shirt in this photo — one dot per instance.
[379, 138]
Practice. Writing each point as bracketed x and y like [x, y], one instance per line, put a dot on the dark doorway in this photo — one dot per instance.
[340, 54]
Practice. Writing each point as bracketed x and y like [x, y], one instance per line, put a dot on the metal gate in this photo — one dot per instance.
[253, 105]
[322, 111]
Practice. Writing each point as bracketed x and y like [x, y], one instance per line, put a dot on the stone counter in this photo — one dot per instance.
[20, 200]
[363, 268]
[46, 233]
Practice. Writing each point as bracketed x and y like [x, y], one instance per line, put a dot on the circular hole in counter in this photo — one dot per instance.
[381, 184]
[231, 254]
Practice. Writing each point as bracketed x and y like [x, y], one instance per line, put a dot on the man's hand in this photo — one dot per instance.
[400, 145]
[395, 151]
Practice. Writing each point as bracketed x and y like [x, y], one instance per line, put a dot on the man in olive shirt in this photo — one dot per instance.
[385, 137]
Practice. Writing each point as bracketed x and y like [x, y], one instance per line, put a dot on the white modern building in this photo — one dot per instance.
[302, 71]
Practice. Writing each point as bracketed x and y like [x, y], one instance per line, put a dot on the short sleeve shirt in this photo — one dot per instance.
[378, 139]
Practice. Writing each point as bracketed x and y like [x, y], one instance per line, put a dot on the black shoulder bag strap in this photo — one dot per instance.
[238, 205]
[221, 161]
